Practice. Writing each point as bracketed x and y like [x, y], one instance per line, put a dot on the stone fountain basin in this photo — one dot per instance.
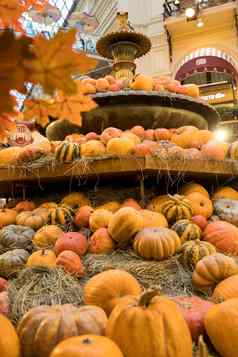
[125, 109]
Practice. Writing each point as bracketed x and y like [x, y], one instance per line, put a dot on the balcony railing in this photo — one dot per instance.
[173, 7]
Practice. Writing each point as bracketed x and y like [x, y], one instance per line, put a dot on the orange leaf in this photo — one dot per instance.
[38, 110]
[7, 125]
[55, 62]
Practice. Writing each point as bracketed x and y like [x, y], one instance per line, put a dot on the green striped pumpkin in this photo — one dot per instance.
[194, 251]
[187, 230]
[176, 208]
[67, 152]
[61, 216]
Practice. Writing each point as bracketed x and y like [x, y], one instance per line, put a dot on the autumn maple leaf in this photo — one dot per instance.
[55, 62]
[7, 125]
[37, 109]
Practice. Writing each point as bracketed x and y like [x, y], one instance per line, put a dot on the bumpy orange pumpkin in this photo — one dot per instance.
[34, 219]
[100, 218]
[223, 235]
[120, 146]
[47, 236]
[43, 258]
[107, 288]
[92, 148]
[153, 219]
[25, 206]
[87, 346]
[82, 216]
[176, 208]
[124, 224]
[109, 134]
[130, 202]
[74, 241]
[7, 216]
[154, 318]
[9, 341]
[212, 269]
[201, 205]
[225, 192]
[71, 263]
[101, 242]
[221, 326]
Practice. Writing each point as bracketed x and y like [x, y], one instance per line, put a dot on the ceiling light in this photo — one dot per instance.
[190, 12]
[176, 2]
[200, 23]
[221, 135]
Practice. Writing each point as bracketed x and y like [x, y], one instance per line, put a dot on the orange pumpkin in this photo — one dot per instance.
[201, 205]
[25, 206]
[82, 216]
[74, 241]
[133, 137]
[120, 146]
[42, 258]
[142, 82]
[131, 202]
[92, 148]
[225, 192]
[9, 341]
[47, 236]
[111, 206]
[156, 203]
[7, 216]
[87, 346]
[139, 131]
[107, 288]
[145, 148]
[201, 221]
[75, 200]
[227, 289]
[192, 90]
[215, 150]
[91, 136]
[48, 205]
[162, 134]
[149, 134]
[9, 156]
[109, 134]
[100, 218]
[153, 219]
[102, 85]
[193, 187]
[101, 242]
[34, 219]
[76, 138]
[71, 263]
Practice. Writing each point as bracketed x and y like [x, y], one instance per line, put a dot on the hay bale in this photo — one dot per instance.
[42, 286]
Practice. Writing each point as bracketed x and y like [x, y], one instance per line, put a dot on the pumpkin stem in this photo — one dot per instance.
[147, 296]
[87, 341]
[43, 252]
[202, 348]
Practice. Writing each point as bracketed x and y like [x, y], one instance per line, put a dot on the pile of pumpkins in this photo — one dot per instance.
[141, 82]
[185, 143]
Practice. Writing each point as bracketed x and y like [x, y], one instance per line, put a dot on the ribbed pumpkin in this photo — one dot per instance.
[156, 243]
[7, 216]
[200, 204]
[227, 289]
[87, 346]
[92, 148]
[67, 152]
[212, 269]
[101, 242]
[153, 219]
[149, 325]
[12, 261]
[14, 237]
[25, 206]
[42, 258]
[100, 218]
[71, 263]
[176, 208]
[227, 210]
[61, 215]
[223, 235]
[46, 236]
[75, 200]
[120, 146]
[193, 187]
[124, 224]
[60, 322]
[74, 241]
[34, 219]
[48, 205]
[107, 288]
[221, 323]
[194, 251]
[9, 341]
[187, 230]
[225, 192]
[156, 203]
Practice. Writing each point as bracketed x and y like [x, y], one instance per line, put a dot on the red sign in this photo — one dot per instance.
[21, 137]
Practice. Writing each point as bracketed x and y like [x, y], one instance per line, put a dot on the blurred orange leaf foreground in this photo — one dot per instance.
[56, 62]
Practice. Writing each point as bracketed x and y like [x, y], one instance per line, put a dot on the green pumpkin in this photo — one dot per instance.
[61, 216]
[176, 208]
[67, 152]
[12, 261]
[193, 251]
[16, 236]
[187, 230]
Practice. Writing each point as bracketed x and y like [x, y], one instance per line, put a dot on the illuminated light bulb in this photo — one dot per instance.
[190, 12]
[176, 2]
[200, 23]
[221, 135]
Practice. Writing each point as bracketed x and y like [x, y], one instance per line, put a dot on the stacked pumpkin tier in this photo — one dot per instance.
[114, 277]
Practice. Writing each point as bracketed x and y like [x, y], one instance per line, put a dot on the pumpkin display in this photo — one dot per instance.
[156, 243]
[92, 148]
[125, 223]
[145, 148]
[111, 206]
[176, 208]
[200, 204]
[162, 134]
[225, 192]
[61, 215]
[75, 200]
[100, 218]
[14, 237]
[193, 251]
[76, 138]
[226, 289]
[110, 133]
[154, 318]
[192, 154]
[48, 205]
[153, 219]
[212, 269]
[227, 210]
[102, 85]
[46, 236]
[142, 82]
[34, 219]
[7, 216]
[200, 221]
[9, 341]
[156, 203]
[223, 235]
[60, 322]
[3, 285]
[25, 206]
[42, 258]
[131, 202]
[71, 263]
[91, 136]
[67, 152]
[149, 134]
[82, 216]
[214, 150]
[87, 346]
[193, 187]
[120, 146]
[9, 156]
[139, 131]
[4, 303]
[101, 242]
[187, 230]
[30, 153]
[12, 261]
[193, 309]
[221, 327]
[74, 241]
[106, 289]
[129, 135]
